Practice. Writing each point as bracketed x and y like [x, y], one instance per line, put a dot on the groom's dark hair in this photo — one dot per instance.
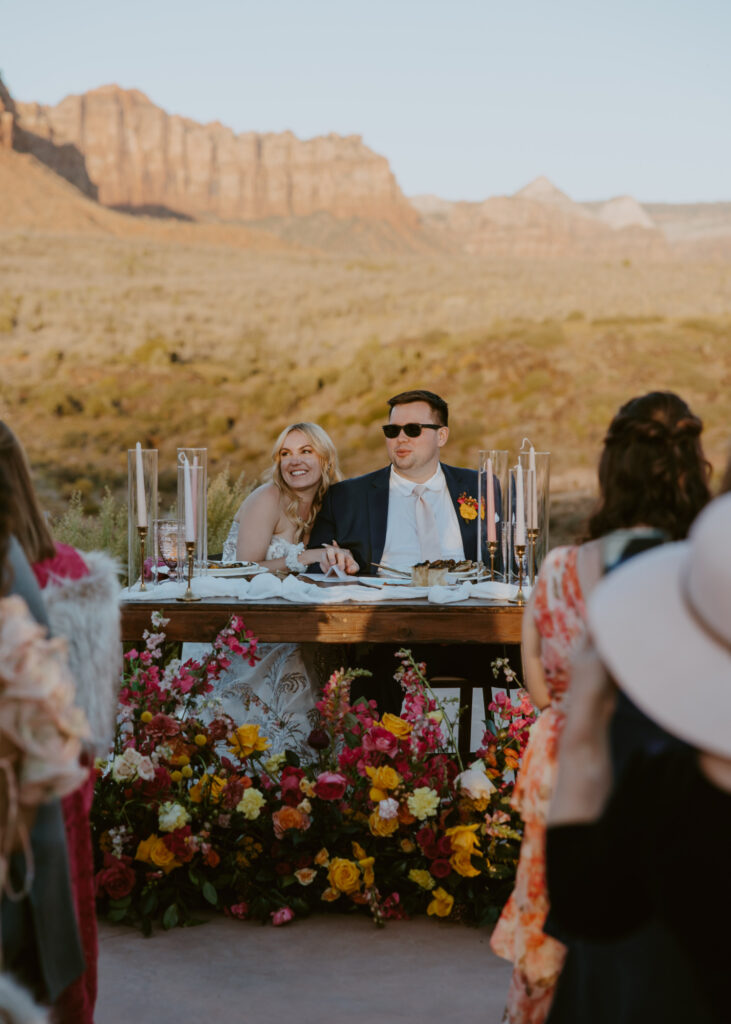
[439, 406]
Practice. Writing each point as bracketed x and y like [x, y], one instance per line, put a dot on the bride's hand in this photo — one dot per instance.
[333, 554]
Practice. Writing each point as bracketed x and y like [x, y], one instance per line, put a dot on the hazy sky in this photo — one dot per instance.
[466, 98]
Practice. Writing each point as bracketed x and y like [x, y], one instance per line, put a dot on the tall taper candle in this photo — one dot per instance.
[519, 507]
[141, 503]
[490, 485]
[188, 493]
[532, 490]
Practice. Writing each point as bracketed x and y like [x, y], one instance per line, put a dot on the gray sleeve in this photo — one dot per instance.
[23, 582]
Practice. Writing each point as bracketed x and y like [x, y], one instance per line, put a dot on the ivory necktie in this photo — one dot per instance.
[426, 526]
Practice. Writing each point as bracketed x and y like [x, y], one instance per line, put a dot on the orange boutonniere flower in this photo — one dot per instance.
[468, 507]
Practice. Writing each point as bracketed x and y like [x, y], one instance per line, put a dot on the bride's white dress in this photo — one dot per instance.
[278, 693]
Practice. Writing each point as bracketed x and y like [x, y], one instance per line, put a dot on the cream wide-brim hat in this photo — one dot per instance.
[661, 623]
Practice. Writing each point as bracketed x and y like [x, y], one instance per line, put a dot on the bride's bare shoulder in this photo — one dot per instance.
[264, 499]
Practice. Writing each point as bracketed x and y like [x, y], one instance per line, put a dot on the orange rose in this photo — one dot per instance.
[289, 817]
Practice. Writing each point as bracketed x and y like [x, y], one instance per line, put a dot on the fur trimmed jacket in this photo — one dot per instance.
[86, 612]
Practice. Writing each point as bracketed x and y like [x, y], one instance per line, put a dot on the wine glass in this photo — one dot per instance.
[169, 544]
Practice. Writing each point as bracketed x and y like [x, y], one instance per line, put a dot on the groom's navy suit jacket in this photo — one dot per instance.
[355, 514]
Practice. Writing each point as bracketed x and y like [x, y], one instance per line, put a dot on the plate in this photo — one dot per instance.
[234, 569]
[466, 576]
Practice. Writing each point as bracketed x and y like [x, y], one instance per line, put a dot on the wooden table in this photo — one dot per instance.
[386, 622]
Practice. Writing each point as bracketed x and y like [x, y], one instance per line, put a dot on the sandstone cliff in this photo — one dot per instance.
[136, 156]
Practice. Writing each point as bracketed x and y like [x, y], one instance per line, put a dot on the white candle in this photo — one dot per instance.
[519, 507]
[188, 496]
[490, 483]
[194, 486]
[532, 490]
[141, 503]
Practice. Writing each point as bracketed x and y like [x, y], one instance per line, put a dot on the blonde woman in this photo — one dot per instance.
[272, 527]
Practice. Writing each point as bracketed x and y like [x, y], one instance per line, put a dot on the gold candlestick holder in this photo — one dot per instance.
[492, 548]
[142, 531]
[189, 552]
[532, 538]
[520, 552]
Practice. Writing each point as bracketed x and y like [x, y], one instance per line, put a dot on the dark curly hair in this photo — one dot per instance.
[652, 471]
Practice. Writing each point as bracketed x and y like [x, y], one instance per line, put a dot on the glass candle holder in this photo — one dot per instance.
[492, 540]
[141, 513]
[536, 469]
[193, 515]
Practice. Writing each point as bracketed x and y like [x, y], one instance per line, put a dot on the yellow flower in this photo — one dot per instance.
[366, 866]
[407, 845]
[330, 894]
[422, 878]
[246, 739]
[176, 776]
[382, 826]
[200, 739]
[209, 787]
[467, 512]
[251, 803]
[146, 717]
[395, 725]
[187, 771]
[162, 857]
[307, 788]
[144, 848]
[358, 851]
[423, 802]
[464, 842]
[344, 875]
[382, 779]
[180, 759]
[442, 903]
[322, 859]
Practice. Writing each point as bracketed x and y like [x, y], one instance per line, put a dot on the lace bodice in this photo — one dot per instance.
[279, 547]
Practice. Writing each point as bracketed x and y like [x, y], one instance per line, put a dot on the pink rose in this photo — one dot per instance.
[330, 785]
[239, 910]
[282, 915]
[380, 740]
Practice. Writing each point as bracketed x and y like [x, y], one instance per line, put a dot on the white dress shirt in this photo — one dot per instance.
[402, 549]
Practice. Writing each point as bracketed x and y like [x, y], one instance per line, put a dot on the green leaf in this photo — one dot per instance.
[170, 917]
[209, 893]
[118, 914]
[120, 904]
[149, 904]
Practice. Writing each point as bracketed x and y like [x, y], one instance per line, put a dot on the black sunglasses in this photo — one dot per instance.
[392, 430]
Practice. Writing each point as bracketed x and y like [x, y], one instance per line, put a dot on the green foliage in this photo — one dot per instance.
[105, 531]
[224, 499]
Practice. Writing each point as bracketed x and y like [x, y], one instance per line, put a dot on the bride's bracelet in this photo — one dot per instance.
[292, 561]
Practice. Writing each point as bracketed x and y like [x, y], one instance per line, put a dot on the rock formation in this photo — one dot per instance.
[137, 157]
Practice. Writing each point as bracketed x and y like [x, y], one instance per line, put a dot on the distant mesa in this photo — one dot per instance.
[625, 212]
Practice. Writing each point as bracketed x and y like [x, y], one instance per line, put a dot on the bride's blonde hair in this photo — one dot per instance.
[328, 456]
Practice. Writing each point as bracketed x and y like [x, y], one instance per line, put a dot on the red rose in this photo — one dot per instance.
[381, 741]
[116, 878]
[330, 785]
[290, 785]
[427, 841]
[440, 868]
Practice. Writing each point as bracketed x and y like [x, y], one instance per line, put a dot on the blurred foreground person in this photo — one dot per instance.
[656, 852]
[653, 480]
[81, 598]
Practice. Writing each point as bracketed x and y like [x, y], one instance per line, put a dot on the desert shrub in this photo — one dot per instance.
[224, 498]
[105, 531]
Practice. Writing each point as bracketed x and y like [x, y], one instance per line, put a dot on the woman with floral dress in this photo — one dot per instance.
[652, 474]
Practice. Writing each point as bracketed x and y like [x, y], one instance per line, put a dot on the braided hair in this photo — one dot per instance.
[652, 471]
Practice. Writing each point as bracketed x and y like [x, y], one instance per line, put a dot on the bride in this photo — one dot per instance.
[272, 527]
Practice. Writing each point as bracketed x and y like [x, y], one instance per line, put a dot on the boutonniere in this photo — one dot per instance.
[468, 507]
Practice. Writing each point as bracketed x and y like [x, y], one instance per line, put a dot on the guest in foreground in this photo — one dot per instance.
[272, 527]
[40, 744]
[657, 849]
[80, 595]
[653, 481]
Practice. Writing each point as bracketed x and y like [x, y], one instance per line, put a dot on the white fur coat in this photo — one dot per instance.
[86, 612]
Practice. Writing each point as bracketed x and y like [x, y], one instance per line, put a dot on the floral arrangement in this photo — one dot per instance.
[192, 810]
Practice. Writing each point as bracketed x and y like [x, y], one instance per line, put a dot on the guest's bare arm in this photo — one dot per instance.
[534, 678]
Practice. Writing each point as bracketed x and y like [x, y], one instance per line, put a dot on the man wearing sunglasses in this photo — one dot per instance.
[406, 512]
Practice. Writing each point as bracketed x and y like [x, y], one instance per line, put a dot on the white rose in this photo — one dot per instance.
[475, 783]
[251, 803]
[388, 808]
[171, 816]
[124, 766]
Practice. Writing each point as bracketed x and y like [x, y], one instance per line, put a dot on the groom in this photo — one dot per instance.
[405, 513]
[409, 511]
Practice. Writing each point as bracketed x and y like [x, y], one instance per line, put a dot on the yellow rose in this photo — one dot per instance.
[382, 826]
[246, 739]
[382, 779]
[462, 864]
[358, 851]
[251, 803]
[366, 866]
[422, 878]
[322, 859]
[144, 848]
[441, 904]
[464, 843]
[344, 875]
[395, 725]
[162, 857]
[146, 717]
